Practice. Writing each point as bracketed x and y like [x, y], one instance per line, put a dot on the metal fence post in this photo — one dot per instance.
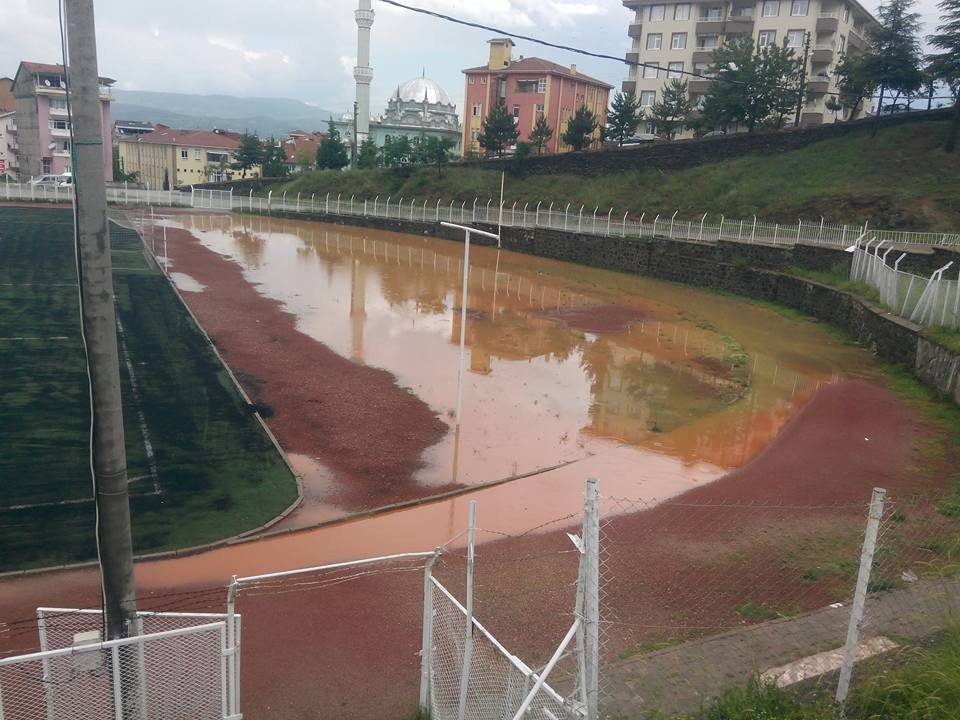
[702, 220]
[672, 218]
[860, 595]
[609, 219]
[624, 234]
[468, 638]
[426, 647]
[591, 596]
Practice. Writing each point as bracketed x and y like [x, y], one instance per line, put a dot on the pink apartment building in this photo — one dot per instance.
[530, 87]
[43, 126]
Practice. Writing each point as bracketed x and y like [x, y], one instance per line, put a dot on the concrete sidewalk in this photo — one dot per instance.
[687, 677]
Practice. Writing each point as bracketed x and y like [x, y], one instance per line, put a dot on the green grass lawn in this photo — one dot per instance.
[900, 179]
[217, 471]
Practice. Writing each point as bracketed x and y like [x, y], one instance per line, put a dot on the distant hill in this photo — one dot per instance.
[265, 116]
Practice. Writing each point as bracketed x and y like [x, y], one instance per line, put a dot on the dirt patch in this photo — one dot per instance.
[598, 318]
[353, 418]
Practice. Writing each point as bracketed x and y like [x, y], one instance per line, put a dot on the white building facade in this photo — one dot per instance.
[681, 37]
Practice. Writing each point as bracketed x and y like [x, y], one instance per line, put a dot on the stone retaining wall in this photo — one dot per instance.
[756, 271]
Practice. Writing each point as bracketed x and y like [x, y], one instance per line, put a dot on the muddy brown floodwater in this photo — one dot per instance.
[350, 337]
[632, 380]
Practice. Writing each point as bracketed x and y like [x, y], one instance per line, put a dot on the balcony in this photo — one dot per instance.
[703, 55]
[828, 22]
[822, 54]
[60, 132]
[818, 87]
[58, 111]
[632, 57]
[710, 26]
[856, 40]
[635, 30]
[629, 86]
[699, 85]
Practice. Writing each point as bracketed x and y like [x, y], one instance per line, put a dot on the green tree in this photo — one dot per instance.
[248, 154]
[893, 60]
[369, 155]
[166, 179]
[670, 113]
[753, 84]
[518, 163]
[435, 151]
[854, 85]
[119, 175]
[305, 160]
[499, 131]
[396, 151]
[274, 159]
[331, 153]
[541, 133]
[624, 117]
[945, 66]
[580, 128]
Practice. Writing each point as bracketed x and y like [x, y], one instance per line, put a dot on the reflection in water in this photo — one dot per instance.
[667, 391]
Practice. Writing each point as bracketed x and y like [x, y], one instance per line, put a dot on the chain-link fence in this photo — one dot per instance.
[933, 300]
[563, 216]
[177, 673]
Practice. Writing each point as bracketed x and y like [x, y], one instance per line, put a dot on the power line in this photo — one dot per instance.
[578, 51]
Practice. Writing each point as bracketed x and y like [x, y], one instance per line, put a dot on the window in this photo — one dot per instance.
[477, 109]
[526, 86]
[795, 38]
[842, 44]
[516, 111]
[767, 38]
[196, 154]
[66, 146]
[540, 109]
[678, 41]
[654, 40]
[657, 13]
[711, 13]
[46, 166]
[59, 125]
[184, 154]
[647, 98]
[745, 11]
[846, 14]
[58, 104]
[708, 42]
[541, 86]
[483, 79]
[675, 70]
[681, 12]
[800, 8]
[651, 72]
[472, 80]
[701, 68]
[771, 8]
[474, 135]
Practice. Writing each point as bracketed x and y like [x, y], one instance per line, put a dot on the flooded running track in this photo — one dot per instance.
[653, 386]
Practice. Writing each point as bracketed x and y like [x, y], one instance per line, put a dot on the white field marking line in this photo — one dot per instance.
[78, 501]
[141, 419]
[38, 284]
[823, 663]
[25, 339]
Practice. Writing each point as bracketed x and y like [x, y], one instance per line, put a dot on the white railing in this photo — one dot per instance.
[569, 217]
[932, 301]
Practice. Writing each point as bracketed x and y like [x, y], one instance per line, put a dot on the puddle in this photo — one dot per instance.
[185, 283]
[564, 363]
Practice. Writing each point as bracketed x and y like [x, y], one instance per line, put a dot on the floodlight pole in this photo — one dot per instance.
[109, 461]
[468, 231]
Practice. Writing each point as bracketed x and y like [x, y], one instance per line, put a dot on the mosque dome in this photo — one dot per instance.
[423, 87]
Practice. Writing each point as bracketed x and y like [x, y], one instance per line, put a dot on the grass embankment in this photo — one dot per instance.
[217, 471]
[913, 684]
[900, 179]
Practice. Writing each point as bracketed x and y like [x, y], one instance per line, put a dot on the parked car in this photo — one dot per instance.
[641, 138]
[53, 181]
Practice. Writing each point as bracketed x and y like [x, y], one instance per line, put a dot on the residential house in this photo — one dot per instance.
[530, 87]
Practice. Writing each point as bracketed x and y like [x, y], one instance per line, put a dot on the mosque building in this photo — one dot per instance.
[418, 108]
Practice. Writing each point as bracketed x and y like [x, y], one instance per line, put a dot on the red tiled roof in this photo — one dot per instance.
[301, 143]
[533, 65]
[192, 138]
[35, 68]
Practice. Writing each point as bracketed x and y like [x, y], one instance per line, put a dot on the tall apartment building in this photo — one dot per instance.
[8, 129]
[682, 36]
[530, 87]
[43, 128]
[180, 157]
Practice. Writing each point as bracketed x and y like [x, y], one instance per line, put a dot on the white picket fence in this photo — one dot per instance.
[933, 300]
[708, 227]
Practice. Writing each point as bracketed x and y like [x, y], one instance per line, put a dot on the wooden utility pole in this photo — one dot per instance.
[109, 461]
[803, 79]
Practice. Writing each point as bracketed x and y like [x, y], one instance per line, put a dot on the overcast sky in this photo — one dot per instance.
[305, 49]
